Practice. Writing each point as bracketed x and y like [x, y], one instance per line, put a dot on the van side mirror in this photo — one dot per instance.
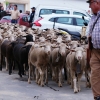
[85, 23]
[83, 18]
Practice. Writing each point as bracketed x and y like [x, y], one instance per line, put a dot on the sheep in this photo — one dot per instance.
[58, 58]
[21, 56]
[6, 51]
[39, 58]
[20, 53]
[75, 65]
[17, 33]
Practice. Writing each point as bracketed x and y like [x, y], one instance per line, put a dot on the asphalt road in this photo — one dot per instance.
[14, 88]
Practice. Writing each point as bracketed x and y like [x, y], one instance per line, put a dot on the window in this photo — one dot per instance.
[52, 19]
[25, 18]
[80, 22]
[78, 13]
[62, 12]
[50, 11]
[65, 20]
[45, 11]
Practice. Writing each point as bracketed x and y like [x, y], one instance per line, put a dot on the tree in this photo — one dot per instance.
[7, 3]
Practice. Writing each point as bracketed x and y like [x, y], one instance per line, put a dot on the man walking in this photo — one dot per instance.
[94, 33]
[14, 14]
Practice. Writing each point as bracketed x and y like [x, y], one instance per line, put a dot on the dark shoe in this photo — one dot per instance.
[97, 98]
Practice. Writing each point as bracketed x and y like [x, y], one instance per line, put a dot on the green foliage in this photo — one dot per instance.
[6, 2]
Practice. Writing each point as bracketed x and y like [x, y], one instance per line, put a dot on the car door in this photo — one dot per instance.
[65, 22]
[79, 24]
[24, 21]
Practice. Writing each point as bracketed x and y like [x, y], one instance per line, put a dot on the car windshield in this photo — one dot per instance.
[26, 18]
[7, 17]
[50, 11]
[78, 13]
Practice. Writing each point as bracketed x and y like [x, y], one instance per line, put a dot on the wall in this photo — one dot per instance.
[25, 2]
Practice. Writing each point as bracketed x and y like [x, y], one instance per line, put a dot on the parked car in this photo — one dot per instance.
[50, 9]
[71, 22]
[23, 20]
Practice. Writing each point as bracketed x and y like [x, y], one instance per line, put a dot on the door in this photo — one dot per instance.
[79, 24]
[65, 22]
[24, 21]
[21, 7]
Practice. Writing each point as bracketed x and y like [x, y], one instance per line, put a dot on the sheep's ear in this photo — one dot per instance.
[63, 41]
[70, 44]
[79, 41]
[84, 49]
[24, 46]
[6, 37]
[67, 47]
[55, 46]
[42, 45]
[73, 50]
[55, 40]
[79, 44]
[23, 36]
[57, 43]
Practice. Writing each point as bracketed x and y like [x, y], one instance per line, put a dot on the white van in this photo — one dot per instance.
[45, 9]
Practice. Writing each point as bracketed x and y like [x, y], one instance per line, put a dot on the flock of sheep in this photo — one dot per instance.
[44, 52]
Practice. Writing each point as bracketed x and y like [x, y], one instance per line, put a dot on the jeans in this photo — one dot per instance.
[14, 21]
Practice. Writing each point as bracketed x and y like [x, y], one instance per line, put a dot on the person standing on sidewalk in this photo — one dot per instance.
[32, 16]
[14, 14]
[94, 33]
[2, 12]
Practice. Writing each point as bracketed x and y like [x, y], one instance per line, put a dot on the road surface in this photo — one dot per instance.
[14, 88]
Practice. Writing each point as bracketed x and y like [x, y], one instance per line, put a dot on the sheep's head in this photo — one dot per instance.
[29, 38]
[74, 44]
[62, 49]
[47, 47]
[79, 53]
[67, 38]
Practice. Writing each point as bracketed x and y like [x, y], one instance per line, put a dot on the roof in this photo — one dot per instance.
[63, 15]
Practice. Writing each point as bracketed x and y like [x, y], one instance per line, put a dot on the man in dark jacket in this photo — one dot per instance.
[0, 6]
[2, 12]
[32, 16]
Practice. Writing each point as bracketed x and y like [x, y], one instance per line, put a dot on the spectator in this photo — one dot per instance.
[10, 7]
[20, 11]
[28, 12]
[32, 16]
[0, 5]
[2, 8]
[2, 12]
[14, 14]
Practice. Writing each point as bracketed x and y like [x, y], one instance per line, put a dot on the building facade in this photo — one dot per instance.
[23, 5]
